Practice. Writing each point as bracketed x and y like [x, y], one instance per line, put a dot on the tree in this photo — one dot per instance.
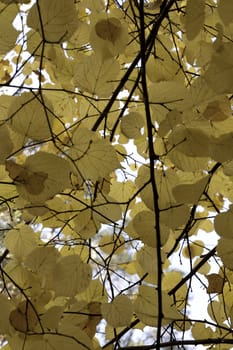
[116, 151]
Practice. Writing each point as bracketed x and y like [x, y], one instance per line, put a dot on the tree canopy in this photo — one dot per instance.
[116, 174]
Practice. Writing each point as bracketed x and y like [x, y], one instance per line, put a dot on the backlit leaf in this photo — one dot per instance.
[93, 157]
[20, 241]
[55, 21]
[31, 117]
[194, 19]
[96, 76]
[8, 14]
[216, 283]
[71, 276]
[119, 312]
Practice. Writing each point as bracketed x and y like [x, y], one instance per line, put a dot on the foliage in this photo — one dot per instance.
[116, 149]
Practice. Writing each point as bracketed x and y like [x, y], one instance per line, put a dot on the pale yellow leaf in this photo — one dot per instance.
[96, 76]
[43, 175]
[131, 125]
[106, 209]
[169, 92]
[20, 241]
[145, 305]
[56, 21]
[71, 276]
[147, 260]
[144, 225]
[119, 312]
[93, 293]
[80, 339]
[94, 157]
[31, 117]
[109, 33]
[108, 245]
[122, 191]
[161, 68]
[193, 250]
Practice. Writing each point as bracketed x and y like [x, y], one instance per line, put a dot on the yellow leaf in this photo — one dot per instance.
[194, 19]
[144, 225]
[55, 21]
[108, 245]
[225, 10]
[147, 260]
[131, 125]
[31, 117]
[225, 251]
[51, 317]
[94, 158]
[223, 224]
[6, 307]
[190, 192]
[93, 293]
[24, 318]
[71, 276]
[219, 73]
[42, 260]
[6, 145]
[41, 176]
[145, 305]
[96, 76]
[119, 312]
[109, 33]
[8, 14]
[193, 250]
[218, 110]
[198, 329]
[20, 241]
[175, 217]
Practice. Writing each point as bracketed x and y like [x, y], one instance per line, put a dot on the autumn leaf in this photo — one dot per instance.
[55, 22]
[116, 174]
